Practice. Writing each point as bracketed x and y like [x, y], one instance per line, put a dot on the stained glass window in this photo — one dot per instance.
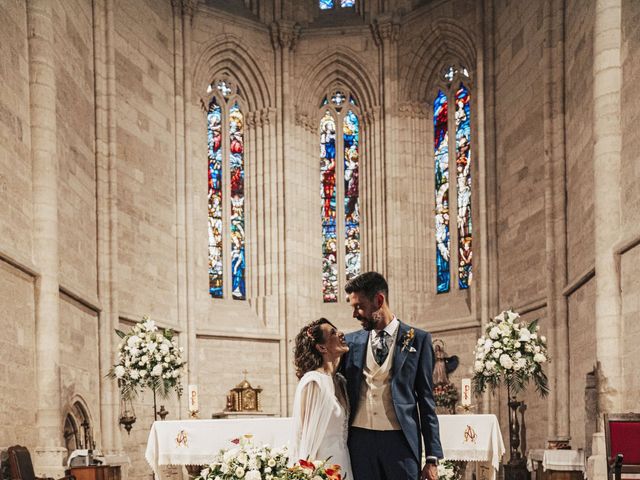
[351, 140]
[330, 4]
[463, 177]
[339, 178]
[441, 155]
[236, 170]
[458, 95]
[328, 195]
[215, 199]
[225, 135]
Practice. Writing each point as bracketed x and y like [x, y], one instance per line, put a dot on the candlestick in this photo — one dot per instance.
[466, 392]
[193, 398]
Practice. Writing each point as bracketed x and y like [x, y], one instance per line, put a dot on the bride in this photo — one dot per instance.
[320, 405]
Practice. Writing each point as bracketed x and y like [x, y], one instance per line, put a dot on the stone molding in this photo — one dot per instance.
[385, 30]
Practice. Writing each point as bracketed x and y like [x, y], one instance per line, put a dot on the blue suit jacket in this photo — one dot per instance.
[411, 385]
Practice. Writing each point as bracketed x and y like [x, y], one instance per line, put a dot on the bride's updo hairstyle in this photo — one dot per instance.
[306, 355]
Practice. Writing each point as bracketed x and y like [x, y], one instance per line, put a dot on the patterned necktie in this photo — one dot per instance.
[380, 347]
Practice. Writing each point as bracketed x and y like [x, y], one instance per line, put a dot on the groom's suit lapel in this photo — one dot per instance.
[360, 349]
[400, 354]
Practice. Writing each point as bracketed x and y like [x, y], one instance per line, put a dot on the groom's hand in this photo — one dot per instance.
[429, 472]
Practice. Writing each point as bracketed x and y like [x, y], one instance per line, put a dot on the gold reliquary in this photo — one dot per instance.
[244, 398]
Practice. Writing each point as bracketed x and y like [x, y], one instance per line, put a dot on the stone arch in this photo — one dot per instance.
[78, 417]
[446, 42]
[335, 69]
[227, 56]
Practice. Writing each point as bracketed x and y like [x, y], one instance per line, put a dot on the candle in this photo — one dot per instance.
[193, 398]
[466, 392]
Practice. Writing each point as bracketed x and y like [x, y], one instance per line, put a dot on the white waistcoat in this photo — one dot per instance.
[375, 408]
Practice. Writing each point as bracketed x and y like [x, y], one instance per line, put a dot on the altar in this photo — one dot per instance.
[471, 438]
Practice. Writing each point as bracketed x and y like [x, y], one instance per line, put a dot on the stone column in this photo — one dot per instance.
[386, 33]
[555, 219]
[49, 452]
[107, 218]
[607, 71]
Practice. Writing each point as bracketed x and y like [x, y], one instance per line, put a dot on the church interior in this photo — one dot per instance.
[225, 166]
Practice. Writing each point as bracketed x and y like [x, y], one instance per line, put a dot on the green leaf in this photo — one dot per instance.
[120, 333]
[532, 326]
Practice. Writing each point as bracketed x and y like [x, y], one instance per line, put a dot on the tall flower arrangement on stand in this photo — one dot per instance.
[514, 353]
[148, 357]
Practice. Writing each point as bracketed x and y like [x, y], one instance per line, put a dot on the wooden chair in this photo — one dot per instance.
[21, 467]
[622, 434]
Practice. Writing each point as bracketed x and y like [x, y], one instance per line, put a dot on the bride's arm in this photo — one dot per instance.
[310, 420]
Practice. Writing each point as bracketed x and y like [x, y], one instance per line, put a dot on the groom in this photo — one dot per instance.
[388, 370]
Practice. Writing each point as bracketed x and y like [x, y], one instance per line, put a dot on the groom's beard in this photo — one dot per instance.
[367, 323]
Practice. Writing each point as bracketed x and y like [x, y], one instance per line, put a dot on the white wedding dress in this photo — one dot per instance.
[320, 421]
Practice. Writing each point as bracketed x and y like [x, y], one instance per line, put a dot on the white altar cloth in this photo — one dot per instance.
[196, 442]
[559, 460]
[475, 438]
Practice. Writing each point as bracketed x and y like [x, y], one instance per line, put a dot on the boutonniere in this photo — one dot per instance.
[407, 339]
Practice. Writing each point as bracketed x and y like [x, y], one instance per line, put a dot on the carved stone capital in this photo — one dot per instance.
[385, 30]
[284, 34]
[250, 119]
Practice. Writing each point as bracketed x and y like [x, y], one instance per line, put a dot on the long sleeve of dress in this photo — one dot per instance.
[311, 411]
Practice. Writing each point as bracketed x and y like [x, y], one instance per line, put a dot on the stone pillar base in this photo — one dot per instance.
[597, 462]
[49, 461]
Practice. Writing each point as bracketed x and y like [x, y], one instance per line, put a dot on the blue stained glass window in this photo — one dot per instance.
[347, 3]
[351, 140]
[328, 195]
[441, 157]
[236, 158]
[326, 4]
[463, 177]
[214, 138]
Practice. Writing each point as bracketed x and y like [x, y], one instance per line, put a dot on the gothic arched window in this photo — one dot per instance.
[225, 135]
[339, 178]
[332, 4]
[453, 92]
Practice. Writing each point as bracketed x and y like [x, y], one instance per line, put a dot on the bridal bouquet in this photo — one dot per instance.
[317, 470]
[148, 357]
[511, 351]
[247, 462]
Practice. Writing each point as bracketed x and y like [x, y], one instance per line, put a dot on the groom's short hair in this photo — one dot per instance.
[369, 283]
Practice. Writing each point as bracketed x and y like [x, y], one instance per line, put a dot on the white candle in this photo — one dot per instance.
[466, 391]
[193, 398]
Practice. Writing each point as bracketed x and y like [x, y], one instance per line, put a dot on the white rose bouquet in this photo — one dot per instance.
[511, 351]
[148, 357]
[244, 461]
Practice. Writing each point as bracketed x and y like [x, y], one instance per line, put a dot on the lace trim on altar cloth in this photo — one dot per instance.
[471, 456]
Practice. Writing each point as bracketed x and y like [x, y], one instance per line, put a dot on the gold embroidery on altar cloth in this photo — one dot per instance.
[470, 435]
[181, 439]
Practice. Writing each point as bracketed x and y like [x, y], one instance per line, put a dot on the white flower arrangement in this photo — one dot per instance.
[247, 462]
[148, 357]
[448, 470]
[510, 351]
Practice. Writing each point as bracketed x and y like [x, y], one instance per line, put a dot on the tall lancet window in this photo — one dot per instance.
[453, 92]
[225, 134]
[339, 179]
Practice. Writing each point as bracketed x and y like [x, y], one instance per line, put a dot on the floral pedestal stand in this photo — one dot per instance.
[516, 469]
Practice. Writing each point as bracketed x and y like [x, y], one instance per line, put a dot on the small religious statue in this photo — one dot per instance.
[444, 392]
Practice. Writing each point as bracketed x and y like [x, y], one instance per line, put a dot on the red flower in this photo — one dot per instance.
[235, 441]
[305, 464]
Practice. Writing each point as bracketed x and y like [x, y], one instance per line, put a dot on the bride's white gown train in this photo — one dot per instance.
[321, 422]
